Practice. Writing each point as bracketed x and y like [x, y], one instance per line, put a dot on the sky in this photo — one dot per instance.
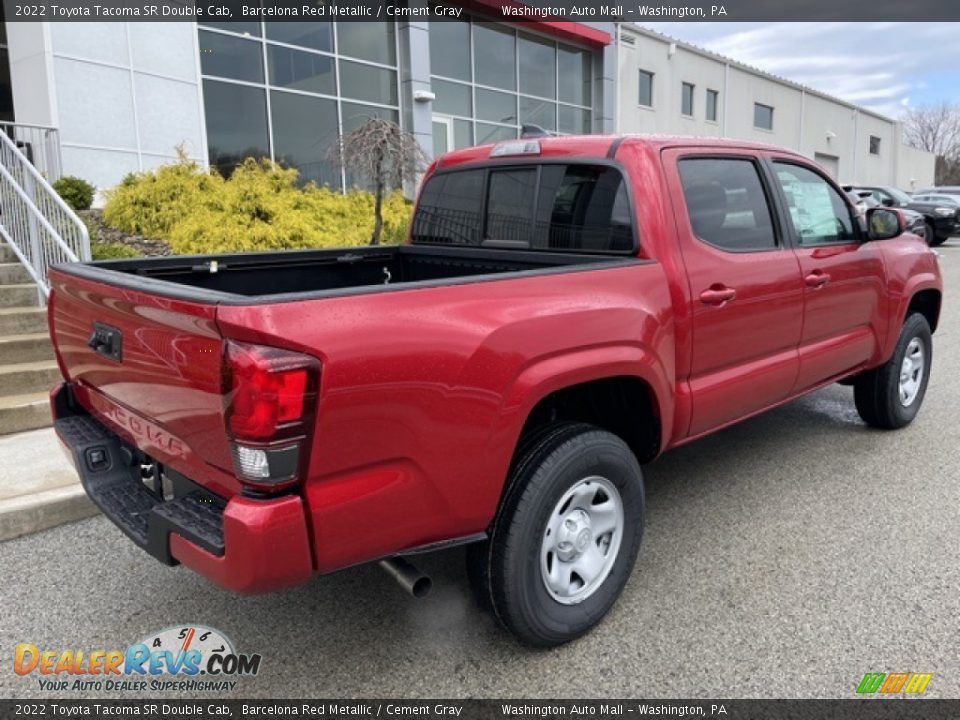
[886, 67]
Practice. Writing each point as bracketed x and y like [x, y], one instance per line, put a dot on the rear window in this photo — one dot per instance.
[562, 207]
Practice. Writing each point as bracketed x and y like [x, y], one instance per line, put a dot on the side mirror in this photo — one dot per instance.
[887, 202]
[884, 223]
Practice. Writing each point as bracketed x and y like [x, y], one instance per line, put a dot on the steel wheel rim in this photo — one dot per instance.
[911, 372]
[581, 540]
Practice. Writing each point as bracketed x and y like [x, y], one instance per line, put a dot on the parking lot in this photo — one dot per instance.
[784, 557]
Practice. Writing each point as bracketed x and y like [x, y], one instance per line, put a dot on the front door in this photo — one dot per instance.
[442, 135]
[844, 279]
[746, 292]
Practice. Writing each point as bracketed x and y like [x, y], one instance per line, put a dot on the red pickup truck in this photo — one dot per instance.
[566, 310]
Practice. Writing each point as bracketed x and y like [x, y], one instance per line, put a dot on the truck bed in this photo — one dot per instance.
[275, 276]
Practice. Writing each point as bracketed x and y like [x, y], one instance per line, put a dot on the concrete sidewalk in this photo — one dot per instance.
[39, 488]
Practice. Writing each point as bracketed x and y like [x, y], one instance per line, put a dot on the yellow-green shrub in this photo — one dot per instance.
[151, 203]
[260, 207]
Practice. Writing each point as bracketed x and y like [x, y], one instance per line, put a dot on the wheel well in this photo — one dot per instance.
[624, 406]
[927, 303]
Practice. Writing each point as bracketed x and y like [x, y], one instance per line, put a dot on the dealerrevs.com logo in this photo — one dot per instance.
[894, 683]
[179, 658]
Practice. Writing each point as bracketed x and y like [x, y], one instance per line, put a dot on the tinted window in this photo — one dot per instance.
[538, 67]
[727, 204]
[583, 207]
[316, 34]
[817, 211]
[373, 41]
[304, 128]
[542, 113]
[712, 98]
[452, 98]
[762, 116]
[494, 57]
[573, 120]
[509, 215]
[230, 57]
[646, 88]
[573, 75]
[236, 123]
[365, 82]
[449, 209]
[686, 99]
[450, 49]
[301, 70]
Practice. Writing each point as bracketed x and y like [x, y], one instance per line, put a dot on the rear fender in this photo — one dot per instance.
[550, 374]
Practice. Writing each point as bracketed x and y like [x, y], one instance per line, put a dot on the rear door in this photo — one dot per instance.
[746, 293]
[844, 279]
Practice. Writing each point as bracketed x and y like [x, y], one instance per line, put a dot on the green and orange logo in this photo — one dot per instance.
[894, 683]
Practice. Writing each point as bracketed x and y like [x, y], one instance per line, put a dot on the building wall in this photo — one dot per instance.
[123, 95]
[835, 133]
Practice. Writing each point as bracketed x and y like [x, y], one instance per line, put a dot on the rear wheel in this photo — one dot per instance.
[890, 396]
[565, 539]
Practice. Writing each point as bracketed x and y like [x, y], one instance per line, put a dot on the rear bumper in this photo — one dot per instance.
[243, 544]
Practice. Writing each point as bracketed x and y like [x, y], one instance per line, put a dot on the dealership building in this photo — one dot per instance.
[120, 97]
[667, 86]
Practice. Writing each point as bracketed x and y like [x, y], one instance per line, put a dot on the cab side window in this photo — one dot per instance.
[727, 204]
[818, 212]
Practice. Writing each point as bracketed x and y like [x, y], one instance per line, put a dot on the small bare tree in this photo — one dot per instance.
[936, 129]
[380, 153]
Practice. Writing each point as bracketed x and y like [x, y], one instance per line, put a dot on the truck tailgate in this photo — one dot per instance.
[155, 378]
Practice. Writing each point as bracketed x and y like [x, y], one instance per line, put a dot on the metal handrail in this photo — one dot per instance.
[40, 144]
[35, 221]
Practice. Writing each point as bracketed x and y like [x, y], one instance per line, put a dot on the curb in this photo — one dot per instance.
[43, 510]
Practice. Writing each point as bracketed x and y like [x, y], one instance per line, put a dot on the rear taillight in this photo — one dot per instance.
[269, 400]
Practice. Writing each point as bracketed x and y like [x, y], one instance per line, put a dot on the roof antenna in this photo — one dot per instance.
[533, 131]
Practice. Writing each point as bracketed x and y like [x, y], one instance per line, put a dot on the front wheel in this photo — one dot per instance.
[890, 396]
[564, 542]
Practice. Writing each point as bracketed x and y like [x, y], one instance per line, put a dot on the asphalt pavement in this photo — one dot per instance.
[784, 557]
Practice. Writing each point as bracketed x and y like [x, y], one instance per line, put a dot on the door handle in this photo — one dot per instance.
[717, 295]
[817, 279]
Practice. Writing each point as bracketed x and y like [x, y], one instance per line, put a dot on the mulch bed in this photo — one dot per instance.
[106, 234]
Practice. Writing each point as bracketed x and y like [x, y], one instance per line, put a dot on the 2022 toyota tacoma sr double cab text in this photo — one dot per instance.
[565, 310]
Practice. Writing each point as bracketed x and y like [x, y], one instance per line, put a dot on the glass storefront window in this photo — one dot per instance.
[574, 75]
[236, 123]
[519, 78]
[366, 82]
[230, 57]
[450, 49]
[373, 41]
[542, 113]
[297, 87]
[304, 71]
[494, 57]
[313, 35]
[304, 128]
[538, 67]
[496, 106]
[452, 98]
[494, 133]
[573, 120]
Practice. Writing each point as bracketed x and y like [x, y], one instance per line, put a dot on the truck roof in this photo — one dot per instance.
[600, 146]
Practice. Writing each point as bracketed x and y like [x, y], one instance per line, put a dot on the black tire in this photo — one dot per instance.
[505, 570]
[930, 235]
[877, 392]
